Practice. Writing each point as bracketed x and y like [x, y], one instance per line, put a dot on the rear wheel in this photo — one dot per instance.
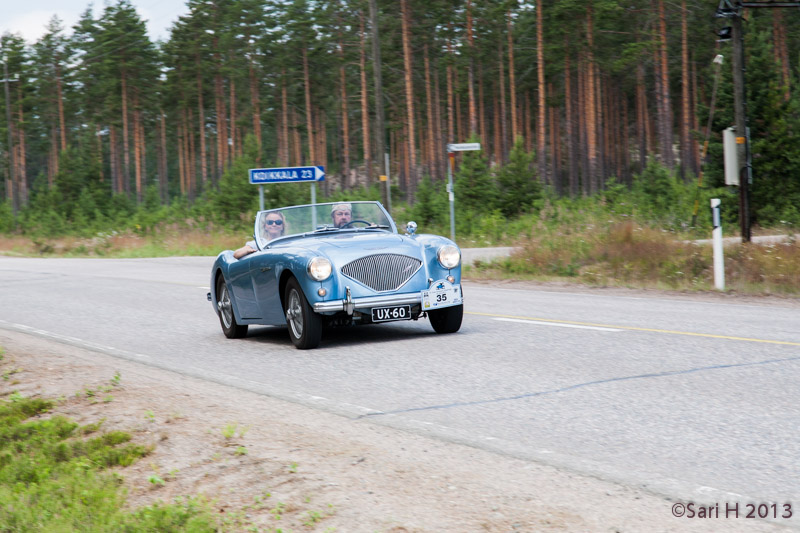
[227, 319]
[447, 320]
[305, 326]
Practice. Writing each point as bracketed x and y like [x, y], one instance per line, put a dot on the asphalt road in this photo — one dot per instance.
[694, 398]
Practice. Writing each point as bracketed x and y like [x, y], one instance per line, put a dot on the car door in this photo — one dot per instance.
[241, 283]
[264, 272]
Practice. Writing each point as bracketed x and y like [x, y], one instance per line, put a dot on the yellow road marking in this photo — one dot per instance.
[633, 328]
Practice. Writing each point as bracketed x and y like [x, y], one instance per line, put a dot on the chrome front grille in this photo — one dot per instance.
[382, 272]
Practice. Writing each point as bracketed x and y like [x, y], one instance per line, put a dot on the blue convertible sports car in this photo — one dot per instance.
[336, 264]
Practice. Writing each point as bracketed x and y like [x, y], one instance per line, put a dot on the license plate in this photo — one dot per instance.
[441, 294]
[396, 312]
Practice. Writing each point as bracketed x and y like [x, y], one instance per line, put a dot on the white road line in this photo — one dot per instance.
[537, 322]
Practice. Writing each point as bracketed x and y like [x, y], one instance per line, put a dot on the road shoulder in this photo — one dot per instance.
[300, 469]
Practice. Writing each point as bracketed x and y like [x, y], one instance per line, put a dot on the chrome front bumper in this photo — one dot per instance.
[349, 304]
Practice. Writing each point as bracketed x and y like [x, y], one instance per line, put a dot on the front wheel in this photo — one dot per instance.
[305, 326]
[447, 320]
[227, 319]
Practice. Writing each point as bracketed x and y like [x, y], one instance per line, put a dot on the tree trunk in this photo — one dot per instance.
[498, 142]
[503, 126]
[255, 102]
[555, 144]
[191, 157]
[60, 98]
[181, 157]
[473, 122]
[99, 151]
[572, 152]
[665, 132]
[234, 142]
[591, 106]
[686, 149]
[163, 187]
[380, 122]
[112, 159]
[482, 108]
[412, 158]
[312, 154]
[512, 84]
[441, 154]
[781, 50]
[365, 102]
[451, 128]
[222, 123]
[284, 144]
[22, 179]
[137, 154]
[125, 140]
[431, 118]
[541, 149]
[201, 119]
[345, 120]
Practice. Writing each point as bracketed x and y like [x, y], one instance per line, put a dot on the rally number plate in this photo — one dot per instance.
[441, 294]
[396, 312]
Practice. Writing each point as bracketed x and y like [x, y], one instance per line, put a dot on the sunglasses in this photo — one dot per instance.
[275, 222]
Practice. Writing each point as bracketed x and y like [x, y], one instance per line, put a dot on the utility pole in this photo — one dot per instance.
[11, 166]
[742, 130]
[734, 10]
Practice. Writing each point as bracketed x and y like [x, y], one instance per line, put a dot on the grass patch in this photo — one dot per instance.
[56, 476]
[615, 251]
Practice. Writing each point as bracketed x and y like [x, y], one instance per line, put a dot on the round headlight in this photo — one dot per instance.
[319, 268]
[449, 256]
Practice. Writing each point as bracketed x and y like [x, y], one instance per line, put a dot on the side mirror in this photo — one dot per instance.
[411, 228]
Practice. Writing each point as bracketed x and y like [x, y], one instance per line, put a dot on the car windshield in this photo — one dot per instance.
[321, 218]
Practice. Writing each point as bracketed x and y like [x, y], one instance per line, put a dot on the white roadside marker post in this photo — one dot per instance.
[716, 239]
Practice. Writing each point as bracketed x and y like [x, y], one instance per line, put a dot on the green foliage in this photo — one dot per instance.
[432, 204]
[518, 184]
[236, 199]
[7, 220]
[51, 479]
[474, 186]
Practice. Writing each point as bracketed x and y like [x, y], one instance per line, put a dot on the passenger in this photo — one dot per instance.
[274, 227]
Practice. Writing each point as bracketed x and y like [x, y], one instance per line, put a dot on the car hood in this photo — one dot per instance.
[347, 246]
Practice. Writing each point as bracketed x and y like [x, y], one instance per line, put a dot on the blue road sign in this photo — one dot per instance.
[260, 176]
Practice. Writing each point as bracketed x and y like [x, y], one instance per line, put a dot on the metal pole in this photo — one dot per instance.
[451, 195]
[742, 133]
[260, 197]
[11, 179]
[314, 204]
[388, 184]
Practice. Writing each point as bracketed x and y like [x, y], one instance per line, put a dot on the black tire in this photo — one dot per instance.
[447, 320]
[227, 319]
[305, 326]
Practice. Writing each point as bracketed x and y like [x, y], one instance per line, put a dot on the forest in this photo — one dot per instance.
[567, 98]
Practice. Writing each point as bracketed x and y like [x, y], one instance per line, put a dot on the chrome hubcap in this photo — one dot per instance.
[294, 314]
[224, 306]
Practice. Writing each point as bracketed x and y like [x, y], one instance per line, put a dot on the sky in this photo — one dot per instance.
[30, 17]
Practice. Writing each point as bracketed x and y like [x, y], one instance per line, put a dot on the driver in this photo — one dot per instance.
[341, 214]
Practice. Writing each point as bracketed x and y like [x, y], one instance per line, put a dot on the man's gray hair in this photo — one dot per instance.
[341, 207]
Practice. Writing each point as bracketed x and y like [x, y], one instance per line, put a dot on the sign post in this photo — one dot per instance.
[716, 243]
[262, 176]
[451, 150]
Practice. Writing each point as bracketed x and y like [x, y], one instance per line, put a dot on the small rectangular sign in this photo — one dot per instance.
[259, 176]
[463, 147]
